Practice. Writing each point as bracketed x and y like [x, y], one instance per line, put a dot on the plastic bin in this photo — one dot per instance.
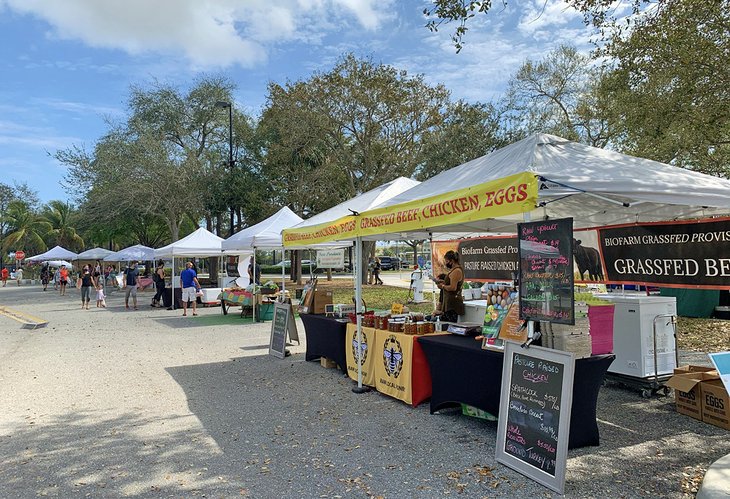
[600, 318]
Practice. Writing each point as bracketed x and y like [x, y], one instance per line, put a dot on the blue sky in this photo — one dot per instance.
[67, 65]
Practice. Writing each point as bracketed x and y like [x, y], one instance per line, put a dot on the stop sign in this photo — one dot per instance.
[19, 255]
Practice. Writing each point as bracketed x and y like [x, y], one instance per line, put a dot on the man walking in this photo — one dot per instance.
[190, 287]
[4, 275]
[131, 281]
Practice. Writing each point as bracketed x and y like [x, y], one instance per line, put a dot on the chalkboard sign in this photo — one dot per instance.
[546, 271]
[534, 413]
[282, 324]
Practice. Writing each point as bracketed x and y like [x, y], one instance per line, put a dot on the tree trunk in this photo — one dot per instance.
[368, 252]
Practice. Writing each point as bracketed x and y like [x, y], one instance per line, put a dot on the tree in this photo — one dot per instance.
[347, 131]
[668, 87]
[599, 13]
[558, 95]
[468, 132]
[25, 229]
[361, 120]
[60, 217]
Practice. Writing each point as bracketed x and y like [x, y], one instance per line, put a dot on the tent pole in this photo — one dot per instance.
[433, 283]
[530, 324]
[172, 304]
[358, 313]
[283, 274]
[253, 280]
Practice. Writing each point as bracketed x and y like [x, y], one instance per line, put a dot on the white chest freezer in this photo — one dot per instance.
[633, 334]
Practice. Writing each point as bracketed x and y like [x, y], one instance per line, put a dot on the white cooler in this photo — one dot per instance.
[210, 296]
[633, 334]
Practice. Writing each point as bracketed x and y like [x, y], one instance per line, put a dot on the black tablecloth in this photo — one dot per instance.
[461, 372]
[325, 338]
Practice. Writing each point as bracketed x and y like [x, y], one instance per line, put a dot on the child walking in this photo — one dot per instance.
[100, 296]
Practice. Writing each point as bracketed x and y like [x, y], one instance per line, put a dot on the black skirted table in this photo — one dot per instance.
[462, 372]
[325, 338]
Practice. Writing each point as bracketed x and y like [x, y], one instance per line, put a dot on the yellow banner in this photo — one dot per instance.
[501, 197]
[367, 353]
[393, 364]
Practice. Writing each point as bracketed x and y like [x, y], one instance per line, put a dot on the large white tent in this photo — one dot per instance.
[201, 243]
[594, 186]
[55, 253]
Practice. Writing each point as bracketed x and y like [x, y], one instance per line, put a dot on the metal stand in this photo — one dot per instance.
[651, 385]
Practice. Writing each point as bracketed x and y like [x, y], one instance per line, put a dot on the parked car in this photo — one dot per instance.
[389, 263]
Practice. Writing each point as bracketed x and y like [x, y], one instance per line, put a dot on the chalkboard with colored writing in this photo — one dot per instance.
[546, 270]
[534, 413]
[282, 323]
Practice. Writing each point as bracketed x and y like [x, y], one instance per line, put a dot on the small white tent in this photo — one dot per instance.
[94, 254]
[137, 252]
[55, 253]
[201, 243]
[265, 234]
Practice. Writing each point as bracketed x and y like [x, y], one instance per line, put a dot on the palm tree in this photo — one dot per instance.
[60, 216]
[25, 228]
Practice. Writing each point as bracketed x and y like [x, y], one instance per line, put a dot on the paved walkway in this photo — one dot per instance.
[110, 403]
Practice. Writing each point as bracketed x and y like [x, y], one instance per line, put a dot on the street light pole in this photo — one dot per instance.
[231, 163]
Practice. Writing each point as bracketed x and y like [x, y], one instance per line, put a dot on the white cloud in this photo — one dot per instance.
[209, 33]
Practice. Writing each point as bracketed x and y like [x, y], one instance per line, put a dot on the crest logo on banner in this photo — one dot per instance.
[392, 356]
[359, 352]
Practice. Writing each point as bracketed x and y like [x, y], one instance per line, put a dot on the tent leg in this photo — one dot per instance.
[359, 311]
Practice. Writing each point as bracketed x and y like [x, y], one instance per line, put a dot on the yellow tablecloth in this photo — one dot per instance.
[368, 353]
[393, 372]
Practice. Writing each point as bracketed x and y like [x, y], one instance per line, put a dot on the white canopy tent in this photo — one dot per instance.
[55, 253]
[94, 254]
[137, 252]
[200, 243]
[263, 235]
[373, 198]
[594, 186]
[365, 201]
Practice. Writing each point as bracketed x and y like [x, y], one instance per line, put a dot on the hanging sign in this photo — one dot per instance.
[501, 197]
[677, 254]
[534, 413]
[493, 258]
[546, 270]
[331, 259]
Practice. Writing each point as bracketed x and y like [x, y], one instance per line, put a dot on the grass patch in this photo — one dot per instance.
[382, 297]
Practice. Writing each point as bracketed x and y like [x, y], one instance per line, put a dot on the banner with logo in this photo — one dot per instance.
[393, 362]
[692, 254]
[483, 258]
[365, 352]
[501, 197]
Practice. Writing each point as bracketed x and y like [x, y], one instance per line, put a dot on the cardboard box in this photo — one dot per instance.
[321, 298]
[692, 369]
[327, 363]
[688, 392]
[715, 404]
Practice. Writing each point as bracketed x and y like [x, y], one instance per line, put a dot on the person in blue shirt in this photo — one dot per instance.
[190, 287]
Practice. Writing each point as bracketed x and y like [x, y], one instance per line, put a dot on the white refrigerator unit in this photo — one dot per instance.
[633, 334]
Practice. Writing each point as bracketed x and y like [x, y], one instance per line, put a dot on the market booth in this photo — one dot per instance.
[201, 243]
[542, 178]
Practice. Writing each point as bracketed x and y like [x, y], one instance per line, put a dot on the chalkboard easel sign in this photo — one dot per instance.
[546, 270]
[282, 325]
[534, 413]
